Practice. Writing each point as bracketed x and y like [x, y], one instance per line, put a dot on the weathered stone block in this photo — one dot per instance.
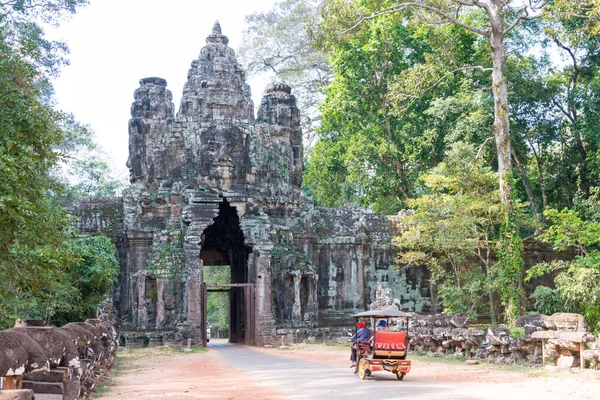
[71, 389]
[20, 394]
[44, 387]
[54, 375]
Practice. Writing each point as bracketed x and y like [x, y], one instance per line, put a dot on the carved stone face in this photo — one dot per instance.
[223, 151]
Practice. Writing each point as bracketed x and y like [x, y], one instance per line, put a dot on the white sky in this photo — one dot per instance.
[115, 43]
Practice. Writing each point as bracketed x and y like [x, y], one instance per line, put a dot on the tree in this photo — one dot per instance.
[577, 281]
[453, 231]
[279, 42]
[38, 250]
[218, 303]
[358, 132]
[494, 21]
[84, 169]
[575, 87]
[91, 277]
[368, 152]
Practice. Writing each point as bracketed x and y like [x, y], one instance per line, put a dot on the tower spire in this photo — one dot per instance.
[217, 36]
[217, 28]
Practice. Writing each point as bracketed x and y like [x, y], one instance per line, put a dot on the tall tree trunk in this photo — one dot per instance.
[540, 179]
[500, 91]
[526, 183]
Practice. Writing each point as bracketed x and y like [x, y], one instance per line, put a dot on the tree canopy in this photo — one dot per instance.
[46, 270]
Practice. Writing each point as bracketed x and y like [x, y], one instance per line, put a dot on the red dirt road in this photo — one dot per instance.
[316, 371]
[162, 374]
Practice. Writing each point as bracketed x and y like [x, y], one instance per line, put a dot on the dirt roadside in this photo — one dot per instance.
[150, 374]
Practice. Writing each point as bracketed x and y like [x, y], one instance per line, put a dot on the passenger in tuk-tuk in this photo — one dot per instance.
[363, 336]
[383, 325]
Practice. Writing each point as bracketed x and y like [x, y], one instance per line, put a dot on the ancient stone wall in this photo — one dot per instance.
[212, 185]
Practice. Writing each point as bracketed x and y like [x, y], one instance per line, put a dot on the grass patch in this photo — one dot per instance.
[107, 380]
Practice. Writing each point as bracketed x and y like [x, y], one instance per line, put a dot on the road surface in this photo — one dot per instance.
[298, 378]
[236, 372]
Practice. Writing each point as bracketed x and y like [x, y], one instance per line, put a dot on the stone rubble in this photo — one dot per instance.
[440, 335]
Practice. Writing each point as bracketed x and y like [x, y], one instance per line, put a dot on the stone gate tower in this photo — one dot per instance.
[213, 185]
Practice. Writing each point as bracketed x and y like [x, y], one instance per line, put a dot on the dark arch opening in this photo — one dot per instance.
[223, 244]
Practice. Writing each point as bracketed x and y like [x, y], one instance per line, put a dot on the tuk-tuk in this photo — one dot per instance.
[388, 349]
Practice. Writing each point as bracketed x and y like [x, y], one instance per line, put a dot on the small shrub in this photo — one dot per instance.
[547, 300]
[517, 332]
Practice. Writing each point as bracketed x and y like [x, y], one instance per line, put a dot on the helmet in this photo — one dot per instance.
[382, 323]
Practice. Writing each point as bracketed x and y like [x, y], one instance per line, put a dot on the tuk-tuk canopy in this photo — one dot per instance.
[383, 314]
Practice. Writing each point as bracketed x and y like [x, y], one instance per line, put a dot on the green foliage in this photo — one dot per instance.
[454, 225]
[218, 302]
[45, 271]
[517, 332]
[32, 238]
[547, 300]
[579, 288]
[369, 153]
[577, 281]
[91, 278]
[64, 283]
[465, 294]
[508, 274]
[568, 229]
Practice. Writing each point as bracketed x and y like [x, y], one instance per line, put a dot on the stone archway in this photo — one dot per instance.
[223, 244]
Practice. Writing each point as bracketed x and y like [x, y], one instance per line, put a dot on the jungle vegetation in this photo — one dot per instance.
[48, 271]
[481, 116]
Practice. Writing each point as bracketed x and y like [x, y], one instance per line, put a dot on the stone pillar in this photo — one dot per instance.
[193, 282]
[265, 325]
[160, 303]
[142, 313]
[313, 305]
[132, 288]
[297, 306]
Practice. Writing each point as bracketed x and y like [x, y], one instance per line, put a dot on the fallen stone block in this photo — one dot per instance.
[20, 394]
[48, 397]
[71, 389]
[44, 387]
[55, 375]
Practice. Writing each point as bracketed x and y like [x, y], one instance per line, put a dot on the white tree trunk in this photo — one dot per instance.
[500, 91]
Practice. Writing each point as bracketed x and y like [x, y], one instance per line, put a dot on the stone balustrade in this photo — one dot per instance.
[50, 363]
[559, 339]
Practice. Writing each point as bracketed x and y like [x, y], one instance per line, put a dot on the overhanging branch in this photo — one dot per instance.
[422, 6]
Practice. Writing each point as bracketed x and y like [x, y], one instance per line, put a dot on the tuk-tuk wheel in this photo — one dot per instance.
[363, 372]
[400, 375]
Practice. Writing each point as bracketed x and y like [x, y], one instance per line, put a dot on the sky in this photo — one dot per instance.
[115, 43]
